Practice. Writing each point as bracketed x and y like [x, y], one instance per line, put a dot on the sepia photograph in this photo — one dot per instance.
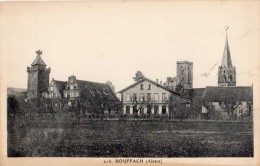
[130, 82]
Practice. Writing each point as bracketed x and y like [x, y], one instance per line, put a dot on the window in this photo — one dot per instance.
[135, 111]
[163, 109]
[134, 97]
[164, 96]
[149, 87]
[141, 110]
[51, 88]
[156, 109]
[128, 97]
[141, 97]
[127, 109]
[156, 97]
[149, 109]
[75, 87]
[230, 78]
[149, 96]
[68, 94]
[224, 78]
[141, 86]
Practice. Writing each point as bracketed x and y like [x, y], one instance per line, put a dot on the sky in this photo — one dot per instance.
[101, 41]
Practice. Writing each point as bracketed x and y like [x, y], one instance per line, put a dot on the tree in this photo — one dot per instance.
[179, 106]
[138, 76]
[12, 106]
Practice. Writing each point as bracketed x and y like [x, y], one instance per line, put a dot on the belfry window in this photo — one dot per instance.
[225, 78]
[230, 78]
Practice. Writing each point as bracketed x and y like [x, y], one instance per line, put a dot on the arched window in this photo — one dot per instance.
[224, 78]
[230, 78]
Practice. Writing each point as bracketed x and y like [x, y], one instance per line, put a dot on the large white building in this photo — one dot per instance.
[146, 97]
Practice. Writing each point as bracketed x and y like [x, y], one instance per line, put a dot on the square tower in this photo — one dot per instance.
[38, 77]
[185, 73]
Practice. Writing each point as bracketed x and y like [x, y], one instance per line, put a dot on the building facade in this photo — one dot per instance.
[146, 97]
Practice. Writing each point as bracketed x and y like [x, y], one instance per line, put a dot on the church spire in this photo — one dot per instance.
[226, 72]
[226, 59]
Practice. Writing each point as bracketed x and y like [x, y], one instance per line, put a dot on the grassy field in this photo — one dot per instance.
[95, 138]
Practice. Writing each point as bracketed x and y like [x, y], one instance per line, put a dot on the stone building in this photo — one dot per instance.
[91, 96]
[224, 101]
[226, 72]
[184, 76]
[38, 77]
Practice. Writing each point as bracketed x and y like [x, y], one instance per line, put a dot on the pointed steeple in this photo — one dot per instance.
[226, 59]
[38, 60]
[226, 72]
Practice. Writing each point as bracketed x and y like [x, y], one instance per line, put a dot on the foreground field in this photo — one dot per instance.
[130, 139]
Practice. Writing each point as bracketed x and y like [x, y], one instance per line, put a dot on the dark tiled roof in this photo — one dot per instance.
[149, 80]
[228, 94]
[94, 90]
[38, 61]
[60, 85]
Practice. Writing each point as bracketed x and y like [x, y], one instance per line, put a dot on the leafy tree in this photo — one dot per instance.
[138, 76]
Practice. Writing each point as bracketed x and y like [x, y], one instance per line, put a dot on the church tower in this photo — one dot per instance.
[38, 77]
[185, 73]
[226, 72]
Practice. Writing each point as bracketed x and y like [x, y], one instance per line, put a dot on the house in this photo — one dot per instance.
[227, 102]
[89, 96]
[146, 97]
[55, 89]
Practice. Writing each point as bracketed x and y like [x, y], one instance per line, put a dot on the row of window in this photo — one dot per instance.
[225, 78]
[148, 96]
[142, 87]
[149, 110]
[71, 94]
[52, 95]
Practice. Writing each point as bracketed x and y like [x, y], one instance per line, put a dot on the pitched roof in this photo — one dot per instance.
[228, 94]
[38, 61]
[95, 90]
[149, 80]
[60, 85]
[226, 59]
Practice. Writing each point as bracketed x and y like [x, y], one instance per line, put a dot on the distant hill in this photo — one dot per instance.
[14, 91]
[19, 93]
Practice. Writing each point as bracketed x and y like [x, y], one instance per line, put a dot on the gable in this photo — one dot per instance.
[146, 87]
[146, 82]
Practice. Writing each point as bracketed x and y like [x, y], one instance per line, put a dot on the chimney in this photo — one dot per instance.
[161, 82]
[164, 84]
[157, 81]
